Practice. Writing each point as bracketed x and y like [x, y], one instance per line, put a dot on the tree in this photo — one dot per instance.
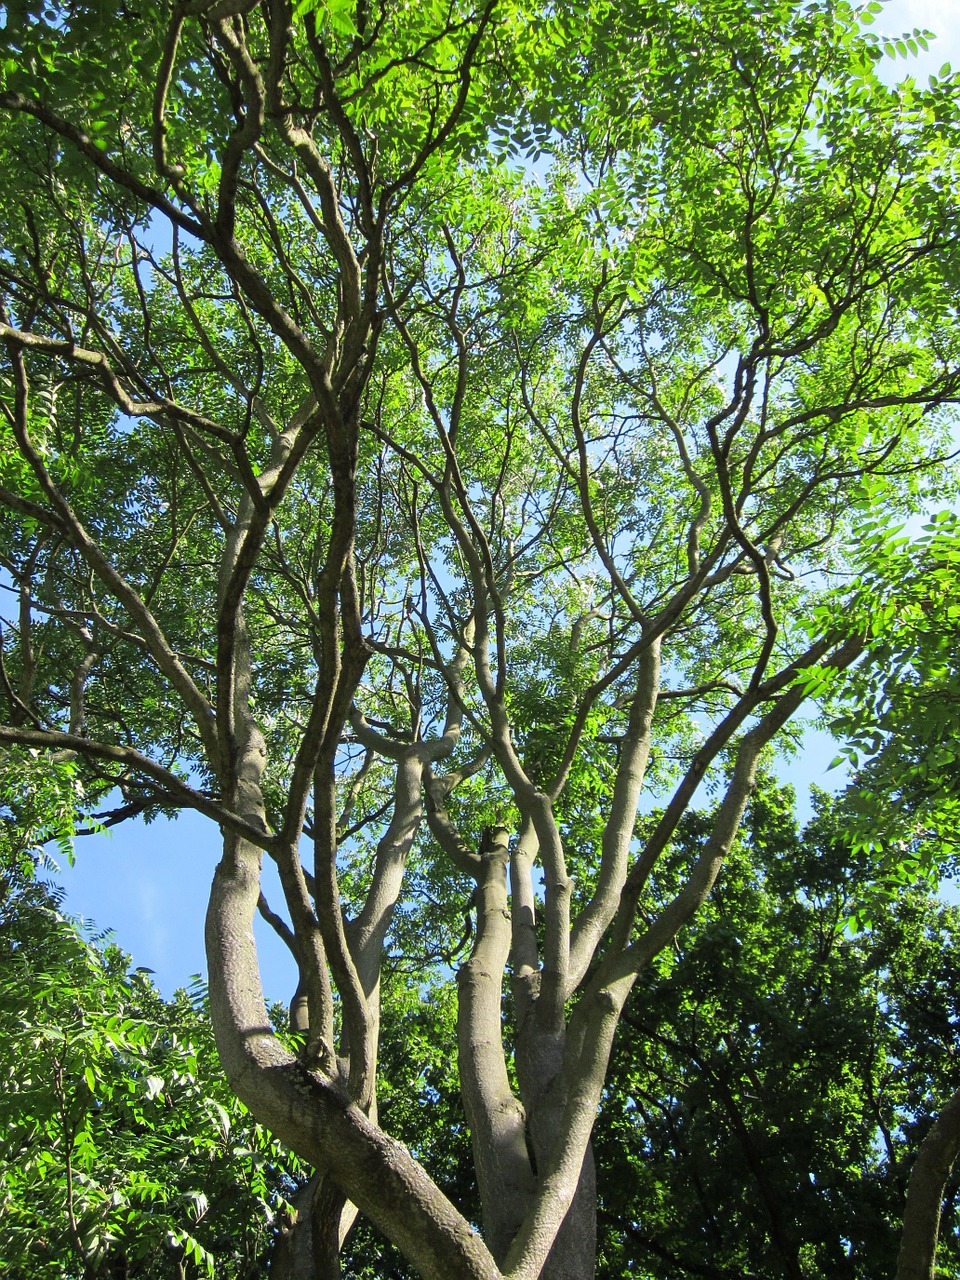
[407, 514]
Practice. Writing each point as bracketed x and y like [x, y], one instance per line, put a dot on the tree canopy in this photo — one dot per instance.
[424, 430]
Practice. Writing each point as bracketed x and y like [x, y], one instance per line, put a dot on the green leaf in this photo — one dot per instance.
[154, 1085]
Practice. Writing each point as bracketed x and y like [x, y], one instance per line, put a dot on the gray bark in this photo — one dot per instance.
[309, 1111]
[921, 1217]
[574, 1253]
[496, 1118]
[293, 1253]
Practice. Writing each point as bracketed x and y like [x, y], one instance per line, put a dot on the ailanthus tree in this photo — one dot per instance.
[424, 428]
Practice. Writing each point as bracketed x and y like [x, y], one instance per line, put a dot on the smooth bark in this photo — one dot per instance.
[308, 1110]
[928, 1177]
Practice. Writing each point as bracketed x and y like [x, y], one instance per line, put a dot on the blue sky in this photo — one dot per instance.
[939, 16]
[149, 883]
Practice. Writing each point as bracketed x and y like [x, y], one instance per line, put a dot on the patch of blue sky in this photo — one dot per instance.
[148, 884]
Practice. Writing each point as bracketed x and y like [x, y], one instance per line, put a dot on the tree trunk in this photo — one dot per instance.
[309, 1111]
[293, 1254]
[921, 1214]
[574, 1255]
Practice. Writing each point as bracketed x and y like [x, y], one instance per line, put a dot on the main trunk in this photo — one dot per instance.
[573, 1256]
[309, 1111]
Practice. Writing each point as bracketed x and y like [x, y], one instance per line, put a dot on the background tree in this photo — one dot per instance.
[778, 1052]
[390, 509]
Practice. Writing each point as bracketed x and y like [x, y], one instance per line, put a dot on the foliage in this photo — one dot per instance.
[40, 801]
[775, 1073]
[895, 712]
[123, 1151]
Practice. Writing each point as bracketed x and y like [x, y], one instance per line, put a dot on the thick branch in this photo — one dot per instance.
[619, 827]
[594, 1022]
[175, 789]
[928, 1177]
[495, 1116]
[307, 1111]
